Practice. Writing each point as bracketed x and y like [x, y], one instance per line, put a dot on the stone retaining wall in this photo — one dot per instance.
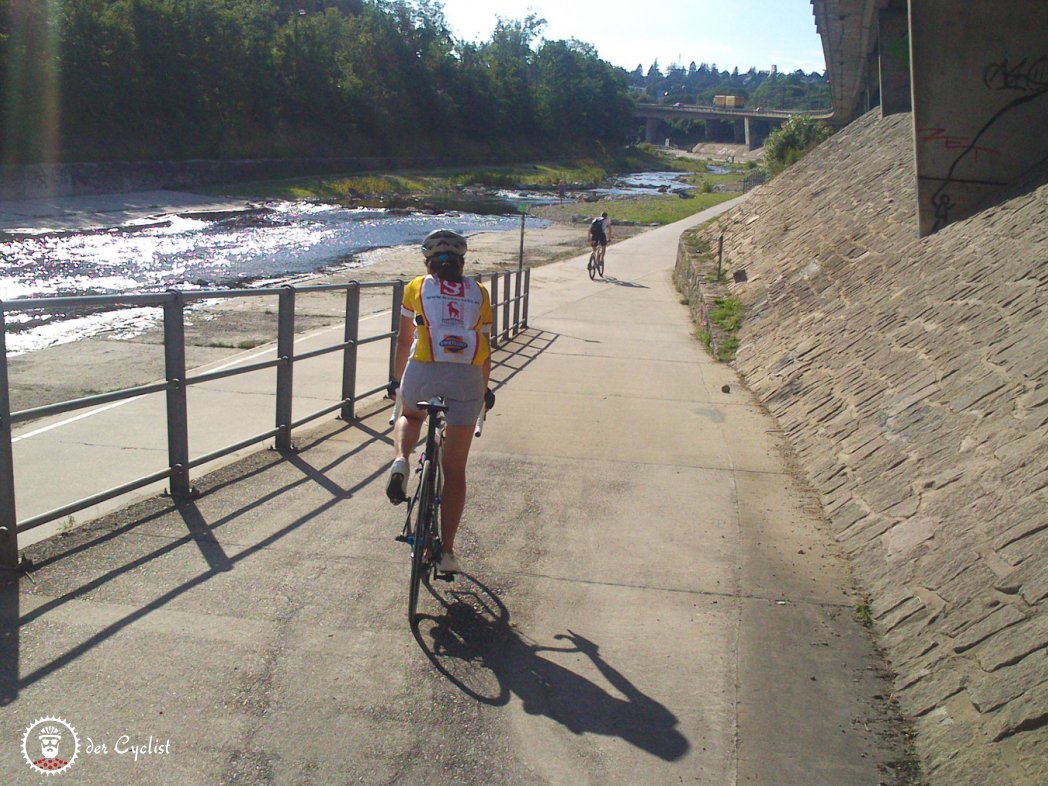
[911, 376]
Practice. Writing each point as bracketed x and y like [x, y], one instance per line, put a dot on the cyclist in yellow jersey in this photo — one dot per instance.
[443, 349]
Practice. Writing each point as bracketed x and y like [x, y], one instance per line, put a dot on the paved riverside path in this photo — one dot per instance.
[650, 599]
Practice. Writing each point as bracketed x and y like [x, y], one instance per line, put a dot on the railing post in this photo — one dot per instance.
[394, 327]
[527, 296]
[505, 310]
[516, 302]
[177, 411]
[494, 310]
[349, 354]
[8, 513]
[285, 371]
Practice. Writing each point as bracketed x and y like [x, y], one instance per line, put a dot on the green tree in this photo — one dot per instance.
[790, 143]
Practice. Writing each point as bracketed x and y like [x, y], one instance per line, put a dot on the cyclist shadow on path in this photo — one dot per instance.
[473, 644]
[620, 283]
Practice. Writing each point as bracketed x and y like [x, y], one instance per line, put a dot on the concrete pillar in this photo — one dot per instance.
[749, 136]
[893, 63]
[980, 102]
[651, 128]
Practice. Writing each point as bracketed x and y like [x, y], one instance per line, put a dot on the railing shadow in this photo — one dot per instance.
[204, 534]
[512, 358]
[471, 642]
[200, 532]
[9, 639]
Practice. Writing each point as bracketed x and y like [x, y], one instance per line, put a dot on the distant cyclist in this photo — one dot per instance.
[443, 349]
[600, 234]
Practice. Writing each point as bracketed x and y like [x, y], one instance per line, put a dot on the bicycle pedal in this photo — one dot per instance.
[444, 576]
[402, 539]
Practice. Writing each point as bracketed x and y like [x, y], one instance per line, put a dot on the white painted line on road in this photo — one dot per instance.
[222, 367]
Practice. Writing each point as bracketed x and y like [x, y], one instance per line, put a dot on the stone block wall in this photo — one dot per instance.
[911, 376]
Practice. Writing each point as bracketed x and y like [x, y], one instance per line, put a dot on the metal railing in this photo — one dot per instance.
[510, 315]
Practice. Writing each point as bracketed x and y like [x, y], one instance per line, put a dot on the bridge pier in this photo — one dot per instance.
[740, 131]
[980, 103]
[893, 62]
[651, 128]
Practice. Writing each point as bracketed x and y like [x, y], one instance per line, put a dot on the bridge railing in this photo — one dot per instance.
[510, 292]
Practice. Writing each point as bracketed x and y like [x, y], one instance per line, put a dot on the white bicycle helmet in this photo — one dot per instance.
[443, 241]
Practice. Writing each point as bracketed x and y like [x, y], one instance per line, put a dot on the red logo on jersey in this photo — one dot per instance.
[454, 312]
[454, 289]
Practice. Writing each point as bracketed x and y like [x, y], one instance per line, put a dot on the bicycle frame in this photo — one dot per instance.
[424, 507]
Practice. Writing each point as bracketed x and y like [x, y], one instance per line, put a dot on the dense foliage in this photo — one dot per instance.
[698, 84]
[787, 145]
[107, 79]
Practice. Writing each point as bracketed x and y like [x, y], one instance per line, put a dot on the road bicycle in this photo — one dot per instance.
[595, 265]
[422, 523]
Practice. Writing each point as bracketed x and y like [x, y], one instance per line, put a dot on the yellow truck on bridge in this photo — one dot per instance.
[729, 102]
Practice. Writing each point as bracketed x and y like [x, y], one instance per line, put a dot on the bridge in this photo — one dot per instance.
[974, 80]
[741, 125]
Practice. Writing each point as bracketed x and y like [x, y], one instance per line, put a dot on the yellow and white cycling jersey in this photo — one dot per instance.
[455, 320]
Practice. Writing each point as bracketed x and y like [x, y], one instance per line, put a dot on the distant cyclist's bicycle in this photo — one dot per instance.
[595, 265]
[422, 525]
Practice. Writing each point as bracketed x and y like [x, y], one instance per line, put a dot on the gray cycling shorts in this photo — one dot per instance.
[461, 385]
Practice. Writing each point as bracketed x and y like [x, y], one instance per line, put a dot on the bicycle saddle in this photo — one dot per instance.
[435, 404]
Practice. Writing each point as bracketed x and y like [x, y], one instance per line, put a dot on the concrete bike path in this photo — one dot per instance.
[649, 600]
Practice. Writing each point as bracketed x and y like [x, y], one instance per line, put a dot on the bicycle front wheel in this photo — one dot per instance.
[422, 537]
[592, 266]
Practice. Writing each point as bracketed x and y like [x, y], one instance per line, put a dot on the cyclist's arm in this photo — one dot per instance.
[405, 337]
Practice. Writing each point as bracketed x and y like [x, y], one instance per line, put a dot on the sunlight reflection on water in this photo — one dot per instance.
[256, 248]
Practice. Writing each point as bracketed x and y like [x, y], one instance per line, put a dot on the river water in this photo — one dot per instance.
[274, 244]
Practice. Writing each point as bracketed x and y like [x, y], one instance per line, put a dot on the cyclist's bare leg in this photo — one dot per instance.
[601, 248]
[406, 433]
[453, 497]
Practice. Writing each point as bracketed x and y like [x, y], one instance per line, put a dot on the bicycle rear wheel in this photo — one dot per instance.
[422, 535]
[592, 266]
[600, 265]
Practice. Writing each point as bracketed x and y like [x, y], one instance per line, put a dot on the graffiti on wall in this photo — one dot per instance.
[1022, 76]
[1027, 77]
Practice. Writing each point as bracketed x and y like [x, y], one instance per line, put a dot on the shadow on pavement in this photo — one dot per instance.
[472, 643]
[9, 639]
[510, 359]
[620, 283]
[204, 534]
[200, 532]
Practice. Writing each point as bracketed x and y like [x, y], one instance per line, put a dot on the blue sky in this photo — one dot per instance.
[730, 33]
